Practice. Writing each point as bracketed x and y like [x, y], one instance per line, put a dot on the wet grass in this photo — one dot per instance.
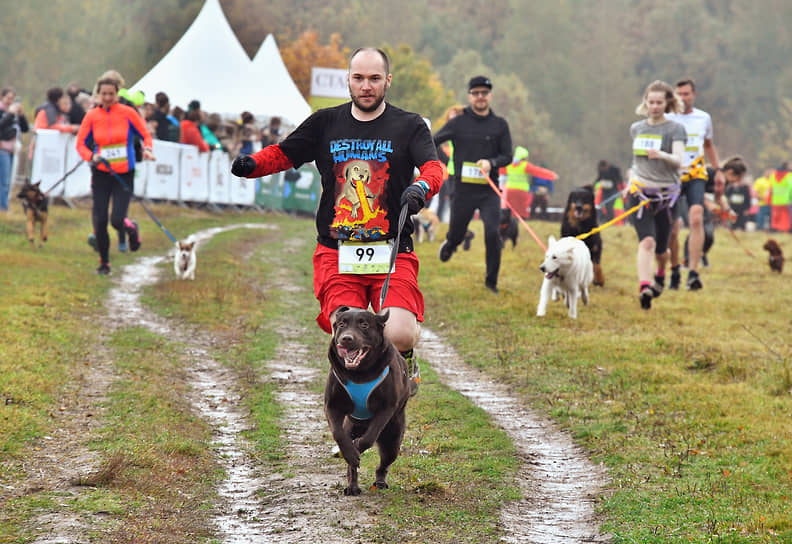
[688, 404]
[454, 472]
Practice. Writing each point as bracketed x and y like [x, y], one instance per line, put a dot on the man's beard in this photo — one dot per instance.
[368, 109]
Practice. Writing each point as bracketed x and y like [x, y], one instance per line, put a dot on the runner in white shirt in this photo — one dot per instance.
[699, 145]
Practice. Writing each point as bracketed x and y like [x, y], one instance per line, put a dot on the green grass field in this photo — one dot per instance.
[688, 405]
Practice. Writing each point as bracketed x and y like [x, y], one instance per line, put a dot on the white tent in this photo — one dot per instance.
[209, 64]
[279, 91]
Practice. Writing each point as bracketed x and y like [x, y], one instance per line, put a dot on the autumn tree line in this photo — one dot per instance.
[567, 73]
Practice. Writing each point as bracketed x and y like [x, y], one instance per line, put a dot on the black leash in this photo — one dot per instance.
[66, 175]
[125, 186]
[394, 252]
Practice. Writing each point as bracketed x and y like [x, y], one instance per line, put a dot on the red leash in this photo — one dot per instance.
[514, 212]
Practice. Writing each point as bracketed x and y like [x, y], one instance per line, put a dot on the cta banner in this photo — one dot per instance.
[328, 87]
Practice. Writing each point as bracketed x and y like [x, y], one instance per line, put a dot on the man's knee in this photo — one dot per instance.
[402, 328]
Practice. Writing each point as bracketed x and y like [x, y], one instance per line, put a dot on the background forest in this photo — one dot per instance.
[567, 73]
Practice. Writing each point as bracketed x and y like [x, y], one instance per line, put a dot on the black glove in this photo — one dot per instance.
[243, 166]
[414, 197]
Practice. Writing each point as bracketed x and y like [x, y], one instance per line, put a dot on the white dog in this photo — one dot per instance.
[568, 270]
[184, 261]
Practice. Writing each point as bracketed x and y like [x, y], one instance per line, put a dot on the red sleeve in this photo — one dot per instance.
[82, 134]
[192, 136]
[540, 172]
[41, 120]
[140, 126]
[432, 173]
[269, 160]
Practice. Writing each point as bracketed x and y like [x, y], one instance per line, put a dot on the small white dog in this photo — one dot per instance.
[184, 261]
[568, 270]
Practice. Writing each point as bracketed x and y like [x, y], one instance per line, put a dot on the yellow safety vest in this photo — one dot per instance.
[517, 177]
[781, 191]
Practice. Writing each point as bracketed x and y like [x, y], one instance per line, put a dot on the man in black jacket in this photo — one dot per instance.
[482, 144]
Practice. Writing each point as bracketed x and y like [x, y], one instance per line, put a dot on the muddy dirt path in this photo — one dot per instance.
[261, 505]
[559, 483]
[256, 505]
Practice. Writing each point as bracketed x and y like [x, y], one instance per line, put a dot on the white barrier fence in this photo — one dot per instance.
[180, 173]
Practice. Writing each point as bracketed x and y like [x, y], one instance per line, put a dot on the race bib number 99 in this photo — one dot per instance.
[364, 257]
[644, 142]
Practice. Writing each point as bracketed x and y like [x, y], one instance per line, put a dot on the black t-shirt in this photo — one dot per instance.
[364, 166]
[739, 198]
[609, 180]
[477, 137]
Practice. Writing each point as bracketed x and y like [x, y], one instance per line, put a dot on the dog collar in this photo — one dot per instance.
[360, 392]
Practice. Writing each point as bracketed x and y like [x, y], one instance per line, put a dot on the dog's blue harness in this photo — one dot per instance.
[360, 392]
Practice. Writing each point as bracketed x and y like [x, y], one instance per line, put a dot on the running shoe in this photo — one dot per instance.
[413, 371]
[646, 297]
[492, 287]
[658, 286]
[469, 235]
[445, 251]
[133, 232]
[694, 281]
[104, 269]
[92, 242]
[676, 279]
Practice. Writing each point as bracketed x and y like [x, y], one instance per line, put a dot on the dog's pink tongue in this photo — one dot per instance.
[342, 352]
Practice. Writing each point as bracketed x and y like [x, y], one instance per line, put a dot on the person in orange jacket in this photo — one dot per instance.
[112, 126]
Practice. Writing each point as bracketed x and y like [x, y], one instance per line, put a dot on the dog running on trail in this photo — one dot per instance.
[36, 208]
[366, 393]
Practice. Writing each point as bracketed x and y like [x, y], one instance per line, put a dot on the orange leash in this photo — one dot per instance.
[514, 212]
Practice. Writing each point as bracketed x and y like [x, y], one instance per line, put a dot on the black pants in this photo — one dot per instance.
[104, 186]
[465, 200]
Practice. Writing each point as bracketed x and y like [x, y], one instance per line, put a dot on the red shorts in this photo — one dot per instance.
[334, 290]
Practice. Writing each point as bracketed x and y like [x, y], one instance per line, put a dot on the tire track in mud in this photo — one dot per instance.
[256, 505]
[559, 483]
[259, 504]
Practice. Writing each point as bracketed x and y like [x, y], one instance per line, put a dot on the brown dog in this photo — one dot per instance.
[36, 206]
[366, 392]
[776, 255]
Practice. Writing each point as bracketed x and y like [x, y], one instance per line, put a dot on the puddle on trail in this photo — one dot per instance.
[559, 483]
[214, 396]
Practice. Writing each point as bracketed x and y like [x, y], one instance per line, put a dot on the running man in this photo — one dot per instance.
[482, 144]
[366, 152]
[699, 145]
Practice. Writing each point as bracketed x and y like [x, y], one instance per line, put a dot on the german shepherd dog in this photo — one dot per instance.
[366, 393]
[509, 230]
[580, 217]
[35, 205]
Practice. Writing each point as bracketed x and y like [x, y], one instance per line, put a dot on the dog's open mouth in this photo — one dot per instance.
[352, 358]
[553, 274]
